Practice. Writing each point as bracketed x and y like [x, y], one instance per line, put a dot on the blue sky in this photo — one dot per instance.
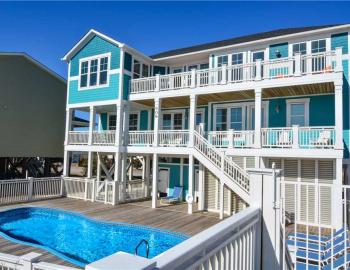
[47, 30]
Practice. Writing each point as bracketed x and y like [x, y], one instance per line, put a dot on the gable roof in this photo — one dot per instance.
[35, 62]
[241, 39]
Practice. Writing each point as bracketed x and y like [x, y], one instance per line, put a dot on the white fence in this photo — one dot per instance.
[23, 190]
[141, 138]
[28, 262]
[106, 137]
[173, 137]
[298, 65]
[78, 137]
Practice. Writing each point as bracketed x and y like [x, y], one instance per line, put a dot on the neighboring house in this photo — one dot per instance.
[32, 109]
[279, 97]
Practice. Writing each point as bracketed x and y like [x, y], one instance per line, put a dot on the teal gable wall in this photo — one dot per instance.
[282, 47]
[98, 94]
[95, 46]
[340, 40]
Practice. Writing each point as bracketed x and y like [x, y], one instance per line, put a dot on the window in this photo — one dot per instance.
[145, 70]
[237, 58]
[137, 69]
[298, 112]
[177, 70]
[178, 121]
[252, 118]
[94, 72]
[299, 48]
[103, 70]
[167, 121]
[84, 70]
[112, 122]
[318, 46]
[236, 118]
[204, 66]
[133, 121]
[222, 60]
[221, 119]
[260, 55]
[192, 67]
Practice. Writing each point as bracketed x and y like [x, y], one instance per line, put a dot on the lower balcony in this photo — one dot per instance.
[285, 137]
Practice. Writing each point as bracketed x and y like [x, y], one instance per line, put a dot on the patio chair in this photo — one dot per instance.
[323, 140]
[284, 138]
[177, 192]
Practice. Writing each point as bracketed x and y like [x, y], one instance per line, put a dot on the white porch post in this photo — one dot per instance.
[91, 123]
[116, 186]
[126, 125]
[147, 174]
[191, 176]
[257, 114]
[338, 92]
[66, 163]
[157, 115]
[90, 164]
[69, 114]
[122, 179]
[192, 119]
[155, 175]
[98, 169]
[201, 188]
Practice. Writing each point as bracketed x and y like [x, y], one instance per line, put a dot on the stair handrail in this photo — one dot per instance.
[229, 167]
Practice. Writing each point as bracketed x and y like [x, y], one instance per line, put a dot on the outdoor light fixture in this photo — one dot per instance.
[278, 54]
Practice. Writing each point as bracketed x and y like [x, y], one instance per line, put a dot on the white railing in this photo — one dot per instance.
[141, 138]
[223, 163]
[173, 137]
[136, 190]
[103, 137]
[231, 138]
[277, 137]
[79, 188]
[231, 244]
[78, 137]
[23, 190]
[316, 137]
[297, 65]
[28, 262]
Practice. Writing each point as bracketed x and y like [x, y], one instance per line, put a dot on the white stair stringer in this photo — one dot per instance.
[225, 169]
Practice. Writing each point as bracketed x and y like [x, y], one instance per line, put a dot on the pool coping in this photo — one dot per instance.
[183, 236]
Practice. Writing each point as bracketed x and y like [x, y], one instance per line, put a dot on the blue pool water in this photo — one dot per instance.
[79, 239]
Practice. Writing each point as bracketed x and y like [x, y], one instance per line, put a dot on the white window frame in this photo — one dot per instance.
[88, 59]
[265, 106]
[108, 115]
[138, 119]
[306, 102]
[172, 112]
[141, 68]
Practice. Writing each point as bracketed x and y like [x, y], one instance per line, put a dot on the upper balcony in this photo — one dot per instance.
[298, 66]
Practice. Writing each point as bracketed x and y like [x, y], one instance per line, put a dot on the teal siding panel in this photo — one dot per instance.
[281, 47]
[346, 139]
[126, 86]
[322, 111]
[127, 61]
[340, 40]
[158, 70]
[143, 120]
[95, 46]
[99, 94]
[104, 120]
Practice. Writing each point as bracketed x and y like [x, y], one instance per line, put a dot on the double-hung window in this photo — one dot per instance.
[237, 71]
[236, 118]
[298, 112]
[300, 48]
[133, 121]
[112, 122]
[222, 60]
[319, 63]
[94, 72]
[221, 119]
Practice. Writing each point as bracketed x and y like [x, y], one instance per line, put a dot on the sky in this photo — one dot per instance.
[47, 30]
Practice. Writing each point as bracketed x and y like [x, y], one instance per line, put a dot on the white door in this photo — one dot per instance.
[163, 180]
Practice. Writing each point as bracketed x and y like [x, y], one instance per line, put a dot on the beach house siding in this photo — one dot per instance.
[94, 47]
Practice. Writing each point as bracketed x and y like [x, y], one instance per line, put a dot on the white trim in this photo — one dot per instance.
[306, 102]
[97, 57]
[94, 103]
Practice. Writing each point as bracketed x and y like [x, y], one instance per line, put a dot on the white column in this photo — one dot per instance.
[157, 115]
[155, 175]
[122, 177]
[90, 164]
[297, 67]
[339, 59]
[98, 169]
[338, 92]
[69, 114]
[119, 125]
[192, 119]
[201, 189]
[337, 203]
[126, 125]
[91, 123]
[116, 187]
[257, 123]
[66, 163]
[191, 177]
[147, 172]
[222, 206]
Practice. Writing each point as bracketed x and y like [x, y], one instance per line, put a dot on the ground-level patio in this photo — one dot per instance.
[174, 218]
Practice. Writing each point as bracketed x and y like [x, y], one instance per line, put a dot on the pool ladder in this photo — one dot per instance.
[147, 247]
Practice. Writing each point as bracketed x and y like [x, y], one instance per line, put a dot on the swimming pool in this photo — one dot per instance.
[79, 239]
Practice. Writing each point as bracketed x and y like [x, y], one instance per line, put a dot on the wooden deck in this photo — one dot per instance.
[174, 218]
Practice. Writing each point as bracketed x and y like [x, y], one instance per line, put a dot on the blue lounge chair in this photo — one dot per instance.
[173, 198]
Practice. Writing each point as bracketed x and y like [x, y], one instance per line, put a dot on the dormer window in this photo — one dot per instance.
[94, 72]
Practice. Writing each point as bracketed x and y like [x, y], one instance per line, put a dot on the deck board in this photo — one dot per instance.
[173, 218]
